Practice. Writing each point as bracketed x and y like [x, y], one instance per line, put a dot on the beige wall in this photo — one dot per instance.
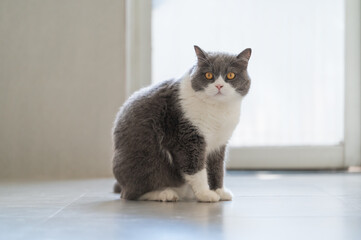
[61, 83]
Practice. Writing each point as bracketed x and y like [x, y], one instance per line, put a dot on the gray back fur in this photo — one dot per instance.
[149, 137]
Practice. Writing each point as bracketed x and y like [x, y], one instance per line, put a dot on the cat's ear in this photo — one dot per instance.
[200, 53]
[245, 55]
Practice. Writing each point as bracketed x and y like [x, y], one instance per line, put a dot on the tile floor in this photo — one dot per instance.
[266, 205]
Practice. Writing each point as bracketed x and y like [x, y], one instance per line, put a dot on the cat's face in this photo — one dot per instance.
[221, 77]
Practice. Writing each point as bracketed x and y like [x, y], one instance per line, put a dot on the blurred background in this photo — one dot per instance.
[67, 66]
[297, 65]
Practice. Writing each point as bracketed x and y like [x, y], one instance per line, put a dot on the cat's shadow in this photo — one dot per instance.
[193, 211]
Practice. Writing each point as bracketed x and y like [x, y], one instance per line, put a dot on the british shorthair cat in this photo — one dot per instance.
[170, 139]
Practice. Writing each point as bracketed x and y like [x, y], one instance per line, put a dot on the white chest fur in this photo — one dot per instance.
[215, 121]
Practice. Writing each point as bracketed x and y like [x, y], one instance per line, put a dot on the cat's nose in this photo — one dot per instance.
[219, 86]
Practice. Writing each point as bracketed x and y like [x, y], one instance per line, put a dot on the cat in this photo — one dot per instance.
[170, 139]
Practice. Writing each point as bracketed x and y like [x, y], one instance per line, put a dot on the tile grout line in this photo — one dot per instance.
[61, 209]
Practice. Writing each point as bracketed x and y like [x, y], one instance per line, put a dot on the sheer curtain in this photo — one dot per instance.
[297, 72]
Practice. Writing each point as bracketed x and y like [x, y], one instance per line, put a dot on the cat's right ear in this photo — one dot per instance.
[201, 55]
[245, 55]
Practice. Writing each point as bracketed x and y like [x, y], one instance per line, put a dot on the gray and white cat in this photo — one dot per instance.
[170, 139]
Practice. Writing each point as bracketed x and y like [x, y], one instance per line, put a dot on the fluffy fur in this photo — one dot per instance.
[170, 139]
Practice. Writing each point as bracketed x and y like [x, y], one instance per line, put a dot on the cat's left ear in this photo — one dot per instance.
[245, 55]
[201, 55]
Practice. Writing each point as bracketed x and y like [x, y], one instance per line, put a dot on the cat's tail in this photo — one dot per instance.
[117, 188]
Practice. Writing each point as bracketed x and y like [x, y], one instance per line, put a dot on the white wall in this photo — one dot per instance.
[61, 83]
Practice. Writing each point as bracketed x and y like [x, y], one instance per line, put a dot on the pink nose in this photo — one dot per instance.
[219, 86]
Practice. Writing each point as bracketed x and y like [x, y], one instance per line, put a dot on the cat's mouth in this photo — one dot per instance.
[219, 93]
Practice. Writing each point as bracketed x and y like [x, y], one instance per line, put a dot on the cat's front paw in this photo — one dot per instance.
[207, 196]
[168, 195]
[224, 194]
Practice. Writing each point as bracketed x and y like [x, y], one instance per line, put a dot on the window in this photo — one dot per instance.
[297, 70]
[303, 110]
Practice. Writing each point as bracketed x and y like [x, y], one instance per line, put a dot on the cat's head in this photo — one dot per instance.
[220, 76]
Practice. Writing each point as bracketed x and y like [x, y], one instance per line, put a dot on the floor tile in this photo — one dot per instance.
[266, 205]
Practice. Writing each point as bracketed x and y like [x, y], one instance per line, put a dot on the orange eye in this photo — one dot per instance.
[230, 75]
[208, 75]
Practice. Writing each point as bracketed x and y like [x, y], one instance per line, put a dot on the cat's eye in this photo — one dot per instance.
[230, 75]
[208, 75]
